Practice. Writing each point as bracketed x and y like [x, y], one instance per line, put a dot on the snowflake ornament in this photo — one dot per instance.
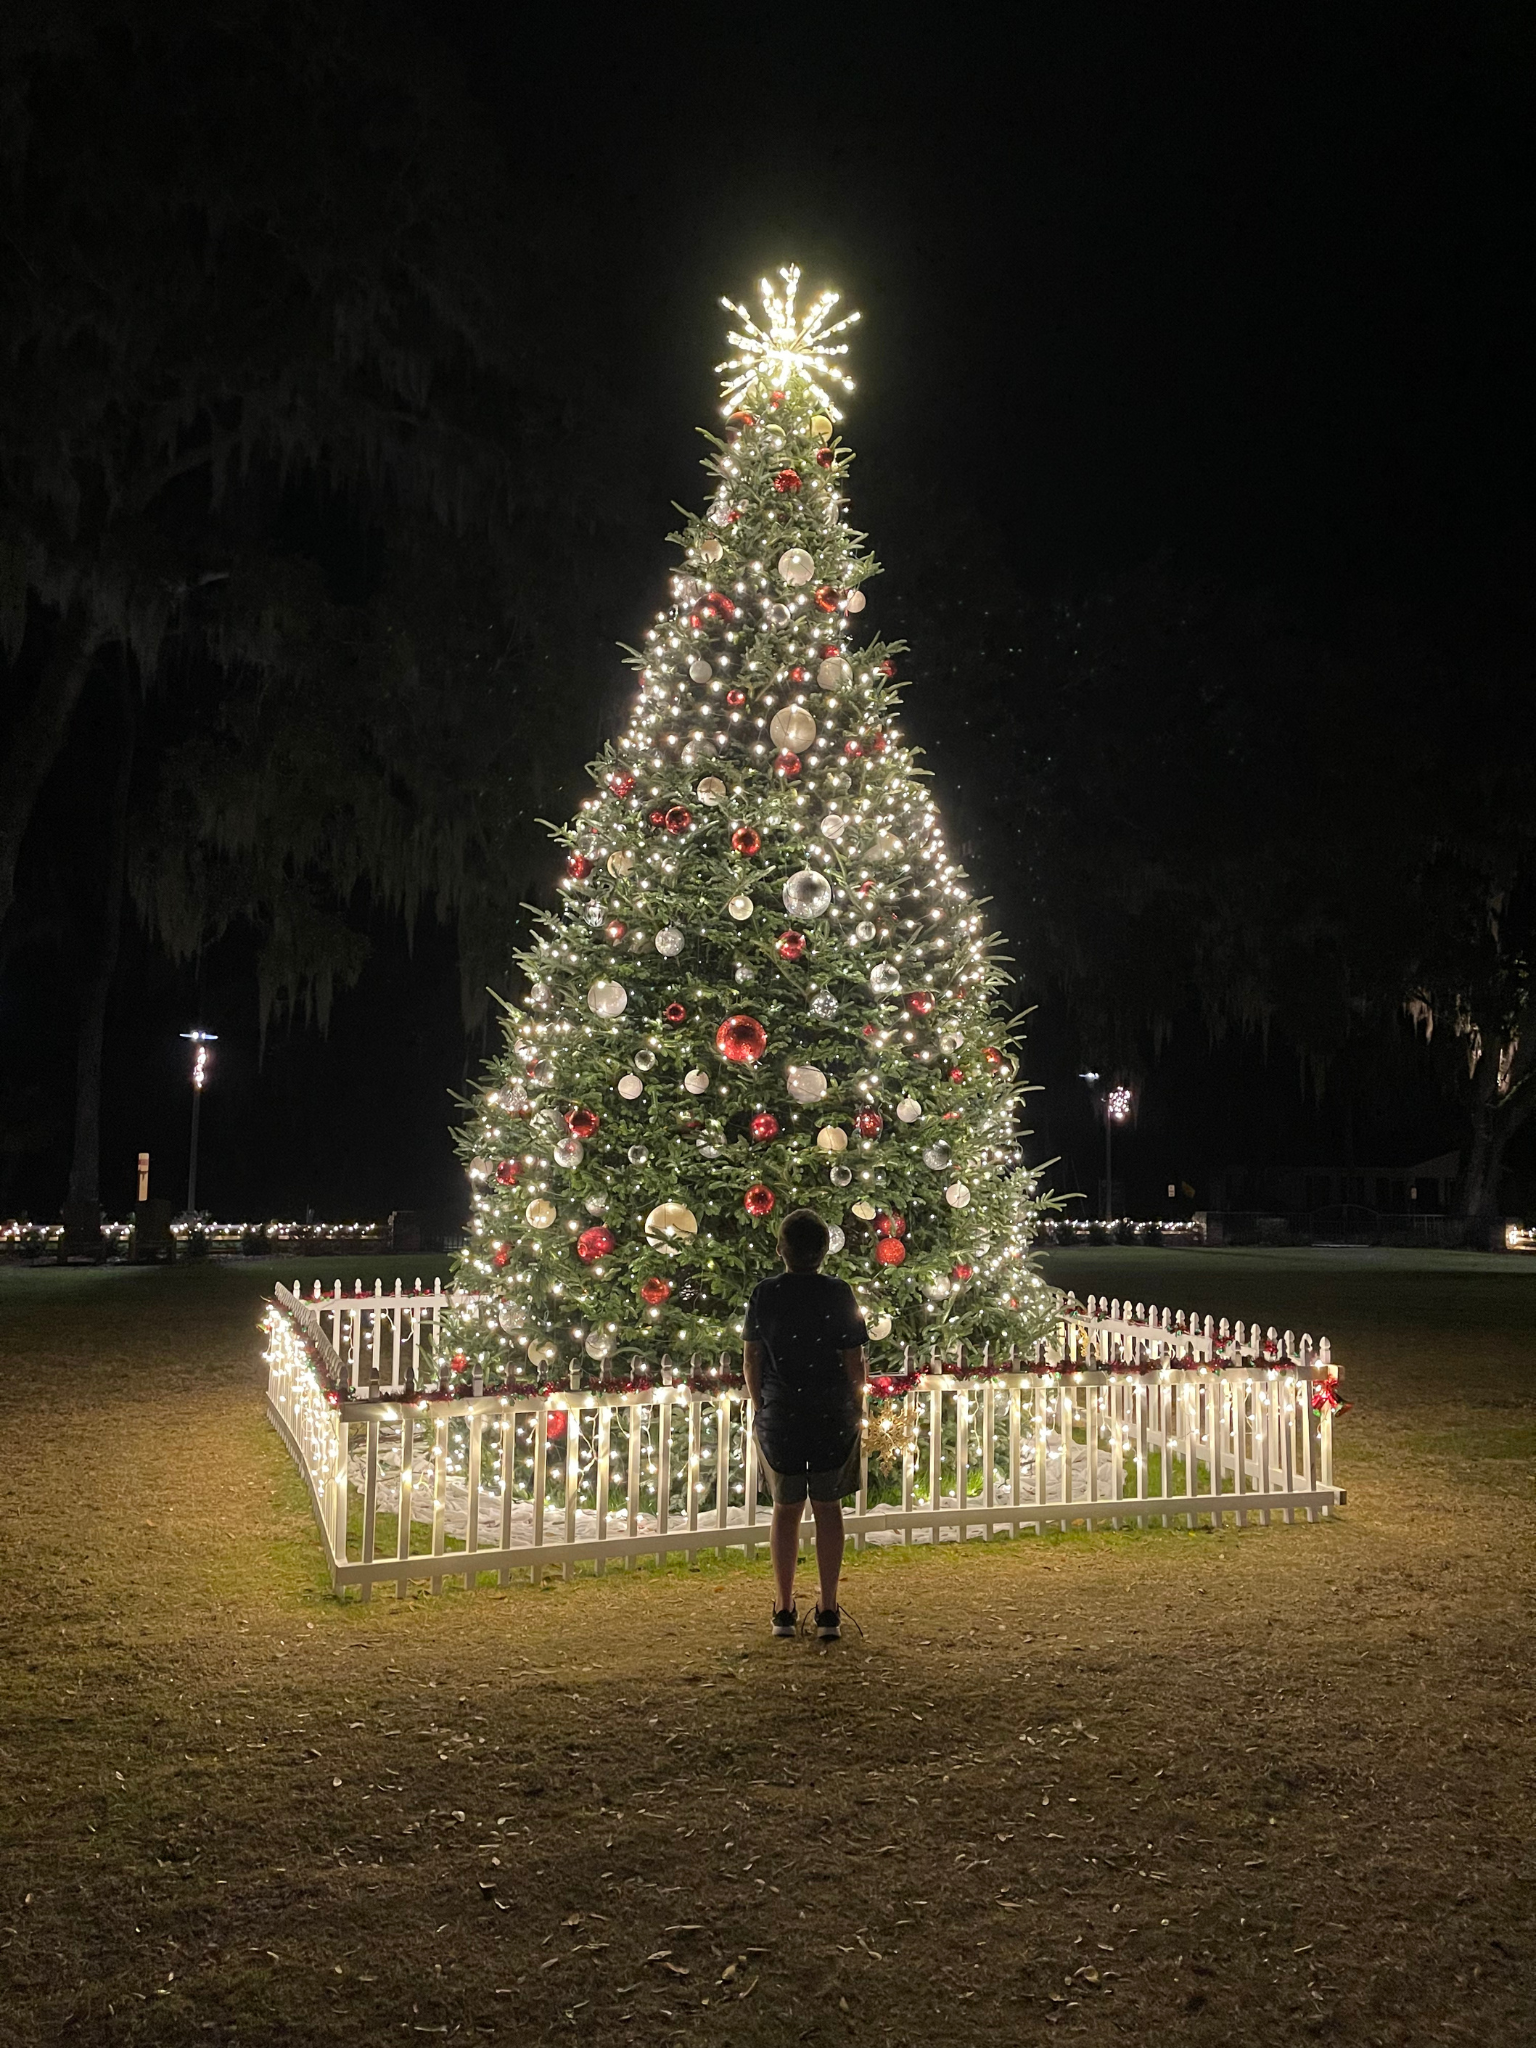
[786, 343]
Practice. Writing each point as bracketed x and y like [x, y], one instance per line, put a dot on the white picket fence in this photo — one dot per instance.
[1111, 1424]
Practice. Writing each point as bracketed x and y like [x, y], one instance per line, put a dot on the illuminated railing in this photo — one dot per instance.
[1130, 1417]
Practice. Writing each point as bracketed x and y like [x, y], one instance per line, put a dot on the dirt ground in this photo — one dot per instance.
[1169, 1789]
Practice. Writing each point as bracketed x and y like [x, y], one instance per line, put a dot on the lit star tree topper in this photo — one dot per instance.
[787, 346]
[767, 984]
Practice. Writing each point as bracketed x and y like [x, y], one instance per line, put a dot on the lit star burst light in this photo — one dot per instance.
[786, 344]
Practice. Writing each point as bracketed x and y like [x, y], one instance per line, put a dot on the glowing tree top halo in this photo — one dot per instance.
[786, 345]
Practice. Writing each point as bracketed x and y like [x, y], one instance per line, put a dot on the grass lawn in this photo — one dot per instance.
[1163, 1789]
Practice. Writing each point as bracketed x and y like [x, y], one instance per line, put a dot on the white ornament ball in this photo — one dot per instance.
[908, 1110]
[834, 673]
[957, 1194]
[886, 846]
[539, 1214]
[607, 999]
[830, 1139]
[481, 1169]
[793, 727]
[805, 1084]
[884, 980]
[620, 863]
[840, 1175]
[865, 1211]
[835, 1237]
[879, 1329]
[863, 931]
[807, 894]
[711, 790]
[669, 1220]
[645, 1059]
[597, 1205]
[710, 549]
[950, 1041]
[856, 601]
[833, 826]
[568, 1152]
[601, 1344]
[740, 907]
[700, 670]
[696, 1081]
[511, 1315]
[669, 942]
[796, 566]
[938, 1157]
[631, 1087]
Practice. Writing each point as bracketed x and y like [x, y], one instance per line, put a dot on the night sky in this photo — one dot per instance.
[1246, 296]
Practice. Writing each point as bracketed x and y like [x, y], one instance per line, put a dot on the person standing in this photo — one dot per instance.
[804, 1361]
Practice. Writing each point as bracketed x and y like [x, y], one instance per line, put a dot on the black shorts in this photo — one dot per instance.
[790, 1489]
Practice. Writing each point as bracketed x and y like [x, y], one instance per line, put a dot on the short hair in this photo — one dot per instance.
[804, 1240]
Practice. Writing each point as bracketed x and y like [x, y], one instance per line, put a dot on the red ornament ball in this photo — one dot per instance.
[507, 1172]
[887, 667]
[735, 698]
[595, 1244]
[889, 1224]
[852, 749]
[957, 1073]
[758, 1200]
[655, 1290]
[787, 764]
[742, 1040]
[744, 419]
[674, 1013]
[615, 930]
[578, 866]
[460, 1361]
[791, 945]
[869, 1123]
[501, 1255]
[828, 599]
[582, 1123]
[746, 842]
[920, 1003]
[960, 1271]
[877, 744]
[993, 1057]
[622, 784]
[678, 819]
[656, 818]
[798, 675]
[830, 650]
[787, 480]
[554, 1427]
[890, 1251]
[775, 399]
[765, 1125]
[825, 457]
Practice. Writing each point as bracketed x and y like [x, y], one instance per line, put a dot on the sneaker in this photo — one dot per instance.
[786, 1621]
[829, 1624]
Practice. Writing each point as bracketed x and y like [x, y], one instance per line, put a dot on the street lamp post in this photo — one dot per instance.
[201, 1059]
[1115, 1105]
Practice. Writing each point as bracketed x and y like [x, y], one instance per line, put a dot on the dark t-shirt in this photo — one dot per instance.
[809, 1414]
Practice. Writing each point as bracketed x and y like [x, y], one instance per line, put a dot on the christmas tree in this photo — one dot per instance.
[767, 984]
